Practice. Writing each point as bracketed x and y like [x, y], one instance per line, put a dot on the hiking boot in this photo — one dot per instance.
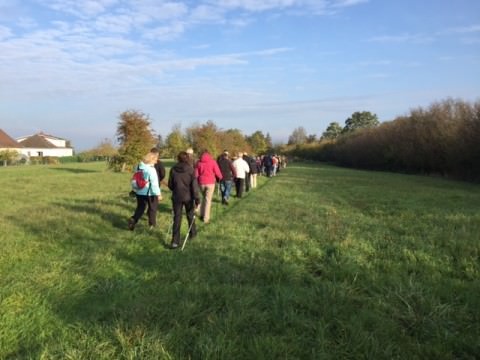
[131, 224]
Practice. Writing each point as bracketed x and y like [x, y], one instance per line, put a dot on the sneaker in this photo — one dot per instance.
[131, 224]
[226, 202]
[174, 246]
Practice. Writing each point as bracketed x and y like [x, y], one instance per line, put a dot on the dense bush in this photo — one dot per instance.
[9, 157]
[441, 140]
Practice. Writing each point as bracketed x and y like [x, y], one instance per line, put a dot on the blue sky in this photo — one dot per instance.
[70, 67]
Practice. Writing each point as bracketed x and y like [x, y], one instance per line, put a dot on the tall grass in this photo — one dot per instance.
[318, 262]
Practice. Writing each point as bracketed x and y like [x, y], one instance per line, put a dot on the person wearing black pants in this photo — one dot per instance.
[151, 204]
[242, 171]
[185, 194]
[149, 194]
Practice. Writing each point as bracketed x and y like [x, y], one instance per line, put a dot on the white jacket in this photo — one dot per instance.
[241, 168]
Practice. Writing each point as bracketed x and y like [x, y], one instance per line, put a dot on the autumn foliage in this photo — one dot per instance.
[442, 139]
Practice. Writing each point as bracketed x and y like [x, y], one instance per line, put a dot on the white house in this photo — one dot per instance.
[44, 145]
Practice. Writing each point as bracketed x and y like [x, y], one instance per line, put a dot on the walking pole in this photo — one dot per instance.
[188, 232]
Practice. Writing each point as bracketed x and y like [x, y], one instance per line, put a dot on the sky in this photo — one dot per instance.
[69, 68]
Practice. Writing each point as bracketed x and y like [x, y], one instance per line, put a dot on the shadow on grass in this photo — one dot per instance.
[74, 170]
[243, 302]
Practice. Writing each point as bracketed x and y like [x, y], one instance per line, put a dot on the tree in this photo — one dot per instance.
[298, 136]
[332, 132]
[311, 138]
[268, 138]
[104, 150]
[135, 138]
[8, 156]
[176, 141]
[258, 142]
[205, 137]
[361, 120]
[234, 141]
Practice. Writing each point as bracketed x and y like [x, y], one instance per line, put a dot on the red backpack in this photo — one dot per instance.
[138, 180]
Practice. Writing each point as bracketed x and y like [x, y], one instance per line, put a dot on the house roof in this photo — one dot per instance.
[37, 141]
[7, 142]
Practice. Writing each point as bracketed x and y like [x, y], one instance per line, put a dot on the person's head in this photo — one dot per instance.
[225, 154]
[189, 152]
[183, 157]
[239, 154]
[155, 150]
[150, 158]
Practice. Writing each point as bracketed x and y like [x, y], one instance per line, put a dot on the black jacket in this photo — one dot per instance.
[183, 184]
[226, 168]
[160, 170]
[252, 164]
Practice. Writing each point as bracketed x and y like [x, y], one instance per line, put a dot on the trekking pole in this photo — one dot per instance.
[188, 232]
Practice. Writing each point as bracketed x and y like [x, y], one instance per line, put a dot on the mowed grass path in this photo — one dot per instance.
[319, 262]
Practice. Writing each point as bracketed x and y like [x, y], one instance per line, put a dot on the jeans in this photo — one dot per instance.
[226, 189]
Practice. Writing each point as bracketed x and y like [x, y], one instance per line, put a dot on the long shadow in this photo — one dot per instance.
[74, 170]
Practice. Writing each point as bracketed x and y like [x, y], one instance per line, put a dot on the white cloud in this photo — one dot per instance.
[166, 32]
[255, 5]
[404, 38]
[346, 3]
[462, 30]
[118, 23]
[5, 32]
[80, 8]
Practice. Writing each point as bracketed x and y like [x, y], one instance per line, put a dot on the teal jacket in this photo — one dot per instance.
[150, 174]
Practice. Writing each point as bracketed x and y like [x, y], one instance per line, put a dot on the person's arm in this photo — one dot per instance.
[170, 180]
[218, 173]
[232, 169]
[160, 171]
[194, 189]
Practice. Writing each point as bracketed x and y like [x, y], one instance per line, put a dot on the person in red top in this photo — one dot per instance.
[207, 173]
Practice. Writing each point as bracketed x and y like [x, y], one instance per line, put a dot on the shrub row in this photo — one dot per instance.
[442, 139]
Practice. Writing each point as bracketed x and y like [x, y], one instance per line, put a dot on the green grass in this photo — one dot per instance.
[319, 262]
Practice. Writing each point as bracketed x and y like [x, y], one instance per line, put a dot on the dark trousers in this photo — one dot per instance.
[150, 202]
[177, 219]
[239, 186]
[268, 169]
[248, 182]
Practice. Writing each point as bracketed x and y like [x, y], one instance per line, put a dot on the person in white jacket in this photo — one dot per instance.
[241, 170]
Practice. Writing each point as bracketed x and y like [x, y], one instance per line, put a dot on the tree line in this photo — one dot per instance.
[442, 139]
[135, 138]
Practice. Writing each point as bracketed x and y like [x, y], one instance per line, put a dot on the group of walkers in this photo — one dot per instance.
[192, 183]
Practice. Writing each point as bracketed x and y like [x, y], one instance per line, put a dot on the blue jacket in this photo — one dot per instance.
[150, 174]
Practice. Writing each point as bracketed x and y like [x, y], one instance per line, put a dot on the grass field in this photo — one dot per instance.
[319, 262]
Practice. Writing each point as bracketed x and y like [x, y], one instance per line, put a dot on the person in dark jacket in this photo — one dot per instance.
[185, 193]
[228, 172]
[268, 164]
[248, 179]
[159, 166]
